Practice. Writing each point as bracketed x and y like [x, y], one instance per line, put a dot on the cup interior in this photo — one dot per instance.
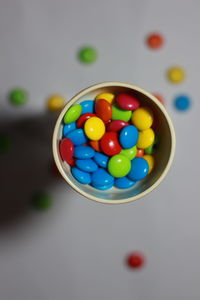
[163, 155]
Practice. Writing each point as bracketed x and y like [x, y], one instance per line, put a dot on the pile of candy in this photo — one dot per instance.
[108, 141]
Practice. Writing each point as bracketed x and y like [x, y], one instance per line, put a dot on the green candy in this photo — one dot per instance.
[41, 201]
[120, 114]
[129, 153]
[18, 96]
[87, 55]
[151, 149]
[119, 165]
[72, 114]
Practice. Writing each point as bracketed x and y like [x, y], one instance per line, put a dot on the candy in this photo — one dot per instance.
[77, 136]
[124, 183]
[127, 101]
[120, 114]
[135, 260]
[140, 152]
[101, 159]
[139, 169]
[66, 148]
[150, 160]
[103, 187]
[87, 165]
[41, 201]
[82, 119]
[55, 103]
[101, 177]
[68, 127]
[142, 118]
[87, 106]
[175, 74]
[94, 128]
[95, 145]
[72, 114]
[151, 149]
[18, 96]
[182, 102]
[128, 136]
[116, 125]
[109, 97]
[155, 41]
[83, 152]
[103, 110]
[109, 144]
[119, 165]
[87, 55]
[129, 153]
[81, 176]
[146, 138]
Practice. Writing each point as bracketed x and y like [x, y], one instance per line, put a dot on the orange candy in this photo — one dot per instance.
[140, 152]
[155, 41]
[103, 110]
[95, 145]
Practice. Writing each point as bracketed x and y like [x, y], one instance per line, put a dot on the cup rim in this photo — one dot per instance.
[88, 90]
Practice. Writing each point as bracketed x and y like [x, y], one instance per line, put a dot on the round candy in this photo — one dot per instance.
[128, 136]
[135, 260]
[116, 125]
[154, 41]
[119, 165]
[176, 74]
[87, 55]
[95, 145]
[109, 143]
[94, 128]
[120, 114]
[55, 103]
[124, 183]
[129, 153]
[77, 136]
[146, 138]
[103, 187]
[152, 147]
[139, 169]
[81, 176]
[66, 148]
[182, 102]
[101, 177]
[87, 106]
[41, 201]
[109, 97]
[83, 152]
[18, 96]
[142, 118]
[68, 127]
[150, 160]
[103, 110]
[127, 101]
[72, 114]
[82, 119]
[140, 152]
[101, 159]
[87, 165]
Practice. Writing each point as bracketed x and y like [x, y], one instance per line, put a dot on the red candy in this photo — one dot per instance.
[140, 153]
[103, 110]
[81, 121]
[135, 260]
[116, 125]
[127, 101]
[66, 148]
[95, 145]
[109, 143]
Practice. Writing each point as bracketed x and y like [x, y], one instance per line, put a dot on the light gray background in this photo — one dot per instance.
[76, 249]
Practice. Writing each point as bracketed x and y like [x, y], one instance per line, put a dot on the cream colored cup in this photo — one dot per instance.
[163, 157]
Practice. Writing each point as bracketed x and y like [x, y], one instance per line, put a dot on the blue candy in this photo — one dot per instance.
[101, 159]
[128, 136]
[103, 187]
[87, 106]
[82, 177]
[77, 136]
[182, 102]
[68, 127]
[83, 152]
[123, 183]
[101, 177]
[139, 169]
[87, 165]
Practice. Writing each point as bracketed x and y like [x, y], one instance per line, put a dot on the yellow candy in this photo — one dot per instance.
[146, 138]
[94, 128]
[142, 118]
[55, 103]
[106, 96]
[176, 74]
[150, 160]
